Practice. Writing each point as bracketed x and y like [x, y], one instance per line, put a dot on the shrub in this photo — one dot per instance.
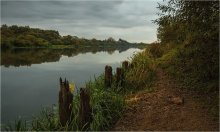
[155, 50]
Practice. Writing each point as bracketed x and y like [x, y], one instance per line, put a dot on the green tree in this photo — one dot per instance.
[180, 20]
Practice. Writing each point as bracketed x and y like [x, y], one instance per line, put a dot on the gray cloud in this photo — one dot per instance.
[130, 20]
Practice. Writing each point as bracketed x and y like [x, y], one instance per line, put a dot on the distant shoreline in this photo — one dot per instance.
[24, 36]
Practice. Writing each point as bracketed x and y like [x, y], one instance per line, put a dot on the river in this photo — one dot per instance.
[30, 78]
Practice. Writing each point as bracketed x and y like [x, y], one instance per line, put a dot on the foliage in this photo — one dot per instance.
[15, 36]
[189, 36]
[155, 50]
[188, 21]
[199, 47]
[19, 125]
[107, 105]
[142, 72]
[47, 120]
[24, 36]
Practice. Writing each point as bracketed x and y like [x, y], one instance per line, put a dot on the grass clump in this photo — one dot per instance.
[106, 105]
[142, 72]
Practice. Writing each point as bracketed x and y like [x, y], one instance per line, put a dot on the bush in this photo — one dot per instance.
[155, 50]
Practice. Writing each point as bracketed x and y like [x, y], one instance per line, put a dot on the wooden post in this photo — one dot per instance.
[65, 101]
[85, 111]
[125, 65]
[119, 76]
[108, 76]
[131, 65]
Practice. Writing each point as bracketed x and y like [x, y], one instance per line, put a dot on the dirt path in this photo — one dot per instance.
[163, 110]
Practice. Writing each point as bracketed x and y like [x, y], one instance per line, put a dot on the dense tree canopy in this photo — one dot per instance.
[24, 36]
[188, 21]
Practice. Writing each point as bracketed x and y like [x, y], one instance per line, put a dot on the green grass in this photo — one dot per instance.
[106, 105]
[142, 74]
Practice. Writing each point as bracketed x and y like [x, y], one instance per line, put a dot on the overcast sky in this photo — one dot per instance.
[127, 19]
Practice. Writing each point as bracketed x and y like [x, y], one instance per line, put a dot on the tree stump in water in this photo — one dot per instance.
[119, 76]
[65, 101]
[85, 111]
[108, 76]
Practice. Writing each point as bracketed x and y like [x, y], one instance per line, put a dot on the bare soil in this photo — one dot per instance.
[155, 111]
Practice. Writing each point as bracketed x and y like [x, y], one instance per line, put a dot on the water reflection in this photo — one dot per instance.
[34, 84]
[27, 57]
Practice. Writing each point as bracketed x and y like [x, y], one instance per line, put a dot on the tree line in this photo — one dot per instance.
[188, 22]
[24, 36]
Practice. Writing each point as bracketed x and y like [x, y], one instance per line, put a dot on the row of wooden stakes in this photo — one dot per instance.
[119, 76]
[65, 105]
[85, 111]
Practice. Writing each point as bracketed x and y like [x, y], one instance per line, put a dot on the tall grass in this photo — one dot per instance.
[106, 104]
[142, 73]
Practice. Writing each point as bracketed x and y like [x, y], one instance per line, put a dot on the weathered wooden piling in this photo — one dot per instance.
[125, 65]
[65, 101]
[131, 65]
[119, 76]
[108, 76]
[85, 111]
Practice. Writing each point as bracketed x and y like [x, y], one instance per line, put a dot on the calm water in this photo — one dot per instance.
[29, 79]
